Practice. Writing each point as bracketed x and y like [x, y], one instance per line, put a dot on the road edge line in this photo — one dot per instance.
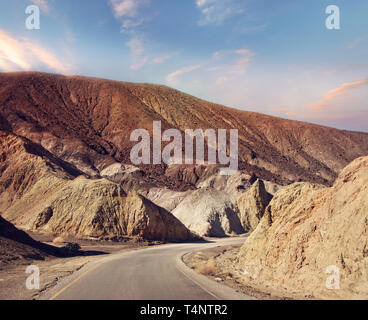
[76, 280]
[180, 265]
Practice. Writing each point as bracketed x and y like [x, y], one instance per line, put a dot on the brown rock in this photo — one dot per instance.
[37, 192]
[252, 205]
[308, 230]
[87, 122]
[101, 209]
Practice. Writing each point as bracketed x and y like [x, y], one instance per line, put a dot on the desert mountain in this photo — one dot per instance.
[87, 122]
[310, 232]
[43, 193]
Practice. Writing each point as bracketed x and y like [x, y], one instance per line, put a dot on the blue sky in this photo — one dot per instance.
[271, 56]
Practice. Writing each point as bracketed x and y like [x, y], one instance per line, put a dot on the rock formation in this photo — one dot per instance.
[209, 212]
[43, 193]
[310, 235]
[102, 209]
[252, 205]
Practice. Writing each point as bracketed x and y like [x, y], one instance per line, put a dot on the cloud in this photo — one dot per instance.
[125, 8]
[24, 55]
[131, 17]
[164, 57]
[128, 12]
[216, 11]
[222, 80]
[329, 72]
[230, 64]
[335, 94]
[136, 47]
[139, 64]
[224, 66]
[356, 42]
[12, 54]
[140, 58]
[243, 60]
[137, 53]
[42, 4]
[172, 77]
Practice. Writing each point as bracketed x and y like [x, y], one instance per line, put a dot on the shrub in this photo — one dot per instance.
[207, 267]
[70, 249]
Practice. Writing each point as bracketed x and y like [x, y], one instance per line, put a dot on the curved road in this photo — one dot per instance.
[156, 273]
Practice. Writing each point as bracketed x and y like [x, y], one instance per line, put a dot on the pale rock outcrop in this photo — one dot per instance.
[209, 212]
[101, 209]
[252, 205]
[271, 187]
[118, 171]
[166, 198]
[235, 184]
[309, 231]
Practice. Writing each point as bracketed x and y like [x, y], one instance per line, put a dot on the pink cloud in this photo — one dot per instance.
[172, 77]
[356, 43]
[335, 94]
[24, 55]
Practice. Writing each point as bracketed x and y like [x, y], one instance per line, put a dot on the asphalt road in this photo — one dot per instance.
[156, 273]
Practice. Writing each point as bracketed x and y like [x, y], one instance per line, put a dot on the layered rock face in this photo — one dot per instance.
[209, 212]
[235, 184]
[23, 165]
[309, 234]
[167, 198]
[43, 193]
[102, 209]
[252, 205]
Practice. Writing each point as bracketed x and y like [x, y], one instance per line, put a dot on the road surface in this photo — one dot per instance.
[156, 273]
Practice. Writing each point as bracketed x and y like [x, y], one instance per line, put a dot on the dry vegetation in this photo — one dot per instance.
[58, 240]
[205, 267]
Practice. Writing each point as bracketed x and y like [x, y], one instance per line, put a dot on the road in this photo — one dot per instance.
[156, 273]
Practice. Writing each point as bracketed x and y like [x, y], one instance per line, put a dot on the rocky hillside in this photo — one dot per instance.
[252, 205]
[309, 232]
[87, 123]
[209, 212]
[101, 209]
[43, 193]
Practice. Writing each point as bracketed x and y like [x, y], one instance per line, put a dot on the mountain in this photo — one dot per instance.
[42, 193]
[311, 234]
[86, 124]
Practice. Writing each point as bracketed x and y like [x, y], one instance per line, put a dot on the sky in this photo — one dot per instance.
[271, 56]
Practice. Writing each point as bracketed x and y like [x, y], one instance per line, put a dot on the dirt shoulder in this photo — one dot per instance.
[52, 269]
[218, 265]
